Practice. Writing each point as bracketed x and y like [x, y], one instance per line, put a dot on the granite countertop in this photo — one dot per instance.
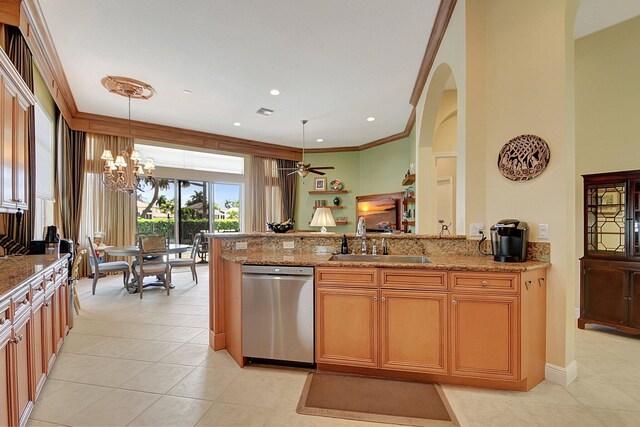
[17, 269]
[294, 234]
[448, 262]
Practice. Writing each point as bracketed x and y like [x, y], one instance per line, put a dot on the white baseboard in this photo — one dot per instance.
[560, 375]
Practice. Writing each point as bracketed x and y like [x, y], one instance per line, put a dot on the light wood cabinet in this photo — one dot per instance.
[484, 336]
[347, 326]
[15, 100]
[461, 327]
[5, 371]
[22, 367]
[414, 331]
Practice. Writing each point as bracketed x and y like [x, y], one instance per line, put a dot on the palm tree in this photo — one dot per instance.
[160, 183]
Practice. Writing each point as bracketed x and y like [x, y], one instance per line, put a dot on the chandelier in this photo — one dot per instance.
[127, 170]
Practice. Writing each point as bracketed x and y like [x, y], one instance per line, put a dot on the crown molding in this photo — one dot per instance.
[445, 10]
[38, 38]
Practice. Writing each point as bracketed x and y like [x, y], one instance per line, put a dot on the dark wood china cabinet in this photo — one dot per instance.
[610, 267]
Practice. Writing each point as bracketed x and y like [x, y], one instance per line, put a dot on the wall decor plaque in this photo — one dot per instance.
[524, 157]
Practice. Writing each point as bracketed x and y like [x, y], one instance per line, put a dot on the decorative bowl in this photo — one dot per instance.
[281, 227]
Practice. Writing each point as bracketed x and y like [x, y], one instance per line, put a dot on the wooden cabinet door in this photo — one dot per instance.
[603, 294]
[49, 351]
[63, 294]
[634, 300]
[484, 336]
[414, 331]
[5, 383]
[22, 335]
[39, 344]
[6, 122]
[347, 326]
[20, 170]
[57, 319]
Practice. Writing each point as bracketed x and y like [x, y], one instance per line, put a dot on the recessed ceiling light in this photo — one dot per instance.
[275, 92]
[319, 140]
[186, 92]
[237, 124]
[371, 119]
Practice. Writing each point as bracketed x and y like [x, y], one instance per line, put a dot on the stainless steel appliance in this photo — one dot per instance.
[278, 313]
[509, 239]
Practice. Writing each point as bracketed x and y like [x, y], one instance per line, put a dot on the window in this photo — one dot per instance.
[43, 209]
[193, 160]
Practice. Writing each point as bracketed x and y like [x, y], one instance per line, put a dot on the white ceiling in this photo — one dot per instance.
[596, 15]
[335, 63]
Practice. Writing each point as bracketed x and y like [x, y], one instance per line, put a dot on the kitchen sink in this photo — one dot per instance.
[410, 259]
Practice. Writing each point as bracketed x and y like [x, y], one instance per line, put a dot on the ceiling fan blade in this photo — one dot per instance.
[312, 170]
[323, 167]
[288, 169]
[292, 173]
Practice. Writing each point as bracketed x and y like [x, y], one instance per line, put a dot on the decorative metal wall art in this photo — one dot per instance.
[524, 157]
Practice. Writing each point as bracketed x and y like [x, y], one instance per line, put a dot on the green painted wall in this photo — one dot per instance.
[374, 171]
[42, 93]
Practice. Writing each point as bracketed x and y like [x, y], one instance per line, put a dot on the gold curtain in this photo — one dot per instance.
[111, 212]
[267, 196]
[69, 180]
[287, 184]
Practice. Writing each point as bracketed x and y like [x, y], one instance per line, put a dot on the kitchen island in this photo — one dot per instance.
[460, 319]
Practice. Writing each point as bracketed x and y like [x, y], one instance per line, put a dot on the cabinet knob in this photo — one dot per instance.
[2, 320]
[454, 302]
[485, 283]
[383, 299]
[527, 283]
[17, 339]
[540, 281]
[375, 298]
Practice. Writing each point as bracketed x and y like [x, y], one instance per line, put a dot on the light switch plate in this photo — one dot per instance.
[288, 245]
[475, 228]
[543, 231]
[241, 245]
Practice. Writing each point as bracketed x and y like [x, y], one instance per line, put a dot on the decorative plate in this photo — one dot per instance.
[524, 157]
[336, 185]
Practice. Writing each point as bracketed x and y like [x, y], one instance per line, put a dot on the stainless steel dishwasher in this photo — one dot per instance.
[278, 313]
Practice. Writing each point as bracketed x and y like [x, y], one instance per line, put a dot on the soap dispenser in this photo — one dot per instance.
[345, 247]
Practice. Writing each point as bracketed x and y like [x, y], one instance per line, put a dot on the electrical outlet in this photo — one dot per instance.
[241, 245]
[543, 231]
[475, 228]
[288, 245]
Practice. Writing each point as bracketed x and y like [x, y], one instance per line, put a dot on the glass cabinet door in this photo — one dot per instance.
[605, 220]
[635, 215]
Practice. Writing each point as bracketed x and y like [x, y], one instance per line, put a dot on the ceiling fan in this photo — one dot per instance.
[303, 168]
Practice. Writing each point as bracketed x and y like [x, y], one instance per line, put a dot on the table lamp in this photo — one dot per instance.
[323, 218]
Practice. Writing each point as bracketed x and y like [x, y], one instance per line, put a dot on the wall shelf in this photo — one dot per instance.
[330, 207]
[409, 179]
[328, 192]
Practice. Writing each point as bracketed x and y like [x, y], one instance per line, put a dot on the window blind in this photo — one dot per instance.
[44, 154]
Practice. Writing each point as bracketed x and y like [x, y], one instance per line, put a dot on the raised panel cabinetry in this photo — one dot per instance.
[15, 100]
[457, 327]
[609, 282]
[27, 336]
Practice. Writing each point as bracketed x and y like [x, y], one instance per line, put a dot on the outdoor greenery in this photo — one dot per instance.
[164, 227]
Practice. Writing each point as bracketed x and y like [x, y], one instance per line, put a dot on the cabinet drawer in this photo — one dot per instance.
[5, 316]
[413, 279]
[37, 288]
[20, 303]
[358, 277]
[484, 282]
[61, 272]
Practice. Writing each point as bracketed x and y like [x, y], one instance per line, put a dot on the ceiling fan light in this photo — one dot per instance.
[303, 172]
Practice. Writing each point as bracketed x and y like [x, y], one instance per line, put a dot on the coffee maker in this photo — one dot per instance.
[509, 239]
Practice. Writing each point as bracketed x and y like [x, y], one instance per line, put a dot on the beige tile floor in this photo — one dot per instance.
[147, 363]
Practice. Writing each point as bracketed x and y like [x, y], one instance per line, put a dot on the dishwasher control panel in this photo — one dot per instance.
[278, 269]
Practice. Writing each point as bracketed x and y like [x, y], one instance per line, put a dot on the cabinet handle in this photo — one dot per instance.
[17, 339]
[527, 283]
[375, 298]
[540, 281]
[383, 299]
[2, 319]
[485, 283]
[454, 302]
[46, 304]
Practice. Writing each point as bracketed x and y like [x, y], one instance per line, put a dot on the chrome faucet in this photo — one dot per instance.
[385, 248]
[361, 231]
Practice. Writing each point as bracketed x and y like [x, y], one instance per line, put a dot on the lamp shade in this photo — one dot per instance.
[323, 218]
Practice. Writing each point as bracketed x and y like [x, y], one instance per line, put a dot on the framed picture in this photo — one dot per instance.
[320, 184]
